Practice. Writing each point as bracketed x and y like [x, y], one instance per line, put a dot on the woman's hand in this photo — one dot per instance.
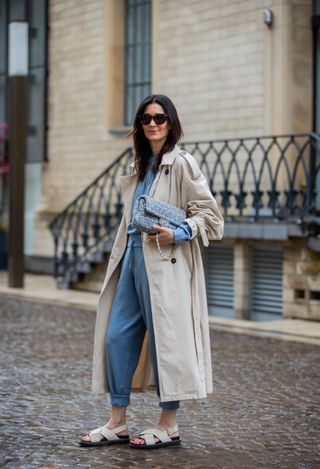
[165, 235]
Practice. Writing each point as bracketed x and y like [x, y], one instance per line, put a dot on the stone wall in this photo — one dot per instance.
[210, 60]
[301, 291]
[79, 145]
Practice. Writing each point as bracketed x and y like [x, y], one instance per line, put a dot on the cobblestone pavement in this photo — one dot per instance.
[263, 414]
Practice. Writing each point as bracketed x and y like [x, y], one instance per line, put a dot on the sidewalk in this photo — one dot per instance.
[42, 289]
[263, 412]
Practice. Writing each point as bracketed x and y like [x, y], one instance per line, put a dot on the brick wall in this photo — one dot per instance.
[210, 59]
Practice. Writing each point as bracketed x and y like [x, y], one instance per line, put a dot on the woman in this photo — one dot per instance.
[143, 291]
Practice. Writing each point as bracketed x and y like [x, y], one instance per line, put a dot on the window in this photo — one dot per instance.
[37, 124]
[35, 13]
[137, 55]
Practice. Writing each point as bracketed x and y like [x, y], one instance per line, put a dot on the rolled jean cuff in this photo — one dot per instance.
[119, 400]
[171, 405]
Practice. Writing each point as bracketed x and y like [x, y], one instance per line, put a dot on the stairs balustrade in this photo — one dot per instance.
[253, 179]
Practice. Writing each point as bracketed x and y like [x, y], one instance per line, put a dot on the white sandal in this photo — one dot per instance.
[150, 434]
[105, 436]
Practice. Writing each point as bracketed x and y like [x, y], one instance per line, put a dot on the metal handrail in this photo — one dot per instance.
[253, 178]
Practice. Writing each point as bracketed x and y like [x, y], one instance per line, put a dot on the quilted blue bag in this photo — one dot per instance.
[149, 211]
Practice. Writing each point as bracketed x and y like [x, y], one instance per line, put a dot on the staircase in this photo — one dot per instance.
[253, 179]
[84, 231]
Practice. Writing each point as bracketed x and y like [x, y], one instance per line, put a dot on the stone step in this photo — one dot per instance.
[62, 284]
[92, 279]
[95, 257]
[84, 267]
[106, 246]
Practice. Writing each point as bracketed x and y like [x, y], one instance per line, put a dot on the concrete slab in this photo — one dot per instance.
[40, 288]
[296, 330]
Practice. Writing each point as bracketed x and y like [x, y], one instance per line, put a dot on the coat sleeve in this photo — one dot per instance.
[203, 214]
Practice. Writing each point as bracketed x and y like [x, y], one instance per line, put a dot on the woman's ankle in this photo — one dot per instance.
[168, 418]
[118, 416]
[113, 423]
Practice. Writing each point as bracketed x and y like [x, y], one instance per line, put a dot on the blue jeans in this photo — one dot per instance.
[130, 316]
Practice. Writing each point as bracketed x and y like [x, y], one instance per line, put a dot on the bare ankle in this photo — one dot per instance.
[167, 423]
[116, 422]
[118, 416]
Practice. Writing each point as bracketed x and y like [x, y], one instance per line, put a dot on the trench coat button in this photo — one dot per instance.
[173, 260]
[166, 171]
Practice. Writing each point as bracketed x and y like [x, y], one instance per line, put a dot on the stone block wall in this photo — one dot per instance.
[301, 287]
[79, 145]
[210, 59]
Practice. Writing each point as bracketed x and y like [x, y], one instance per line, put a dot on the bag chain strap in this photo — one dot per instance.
[166, 258]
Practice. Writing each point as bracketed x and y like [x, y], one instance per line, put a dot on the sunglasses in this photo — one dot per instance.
[158, 119]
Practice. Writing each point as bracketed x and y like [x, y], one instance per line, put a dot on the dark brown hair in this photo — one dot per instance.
[142, 148]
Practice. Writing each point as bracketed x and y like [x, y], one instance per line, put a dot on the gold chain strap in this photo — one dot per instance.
[166, 258]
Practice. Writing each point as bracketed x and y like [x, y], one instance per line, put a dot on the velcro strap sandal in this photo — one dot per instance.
[164, 439]
[105, 436]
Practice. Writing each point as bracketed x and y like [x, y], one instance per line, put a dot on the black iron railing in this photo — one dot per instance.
[261, 176]
[91, 218]
[252, 179]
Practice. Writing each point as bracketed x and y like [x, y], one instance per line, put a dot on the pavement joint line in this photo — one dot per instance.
[266, 334]
[255, 329]
[51, 301]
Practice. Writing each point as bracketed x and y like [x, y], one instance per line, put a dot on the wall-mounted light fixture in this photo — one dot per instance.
[268, 18]
[18, 48]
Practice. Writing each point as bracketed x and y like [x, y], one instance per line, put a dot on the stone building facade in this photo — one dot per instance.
[230, 74]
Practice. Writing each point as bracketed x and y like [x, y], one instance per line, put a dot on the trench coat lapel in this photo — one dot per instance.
[128, 183]
[167, 160]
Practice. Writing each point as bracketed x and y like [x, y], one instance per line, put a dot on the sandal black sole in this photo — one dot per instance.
[174, 442]
[122, 440]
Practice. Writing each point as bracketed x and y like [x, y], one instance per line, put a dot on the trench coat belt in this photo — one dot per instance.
[196, 224]
[203, 233]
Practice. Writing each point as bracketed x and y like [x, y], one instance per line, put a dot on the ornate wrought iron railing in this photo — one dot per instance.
[89, 220]
[261, 176]
[252, 179]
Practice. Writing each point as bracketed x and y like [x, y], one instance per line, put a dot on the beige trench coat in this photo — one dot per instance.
[177, 290]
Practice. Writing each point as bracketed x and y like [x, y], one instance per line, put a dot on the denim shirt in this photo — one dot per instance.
[183, 232]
